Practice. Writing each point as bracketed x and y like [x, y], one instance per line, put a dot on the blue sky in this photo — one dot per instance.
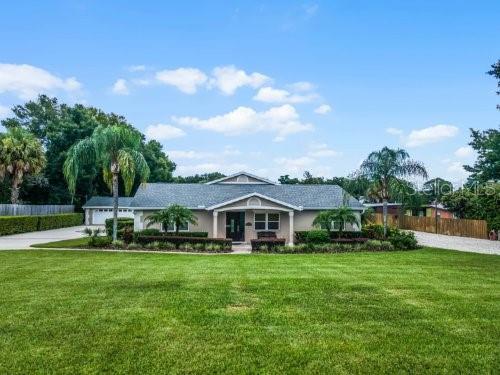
[270, 88]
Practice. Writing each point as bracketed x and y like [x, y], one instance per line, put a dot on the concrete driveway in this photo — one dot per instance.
[25, 240]
[472, 245]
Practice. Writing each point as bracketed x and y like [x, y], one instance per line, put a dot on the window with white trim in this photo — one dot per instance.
[335, 226]
[267, 221]
[182, 228]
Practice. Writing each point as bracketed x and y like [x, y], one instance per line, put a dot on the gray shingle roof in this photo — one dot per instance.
[160, 195]
[99, 201]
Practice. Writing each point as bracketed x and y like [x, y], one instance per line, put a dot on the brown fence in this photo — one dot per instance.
[450, 227]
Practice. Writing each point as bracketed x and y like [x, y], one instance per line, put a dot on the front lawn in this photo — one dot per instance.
[93, 312]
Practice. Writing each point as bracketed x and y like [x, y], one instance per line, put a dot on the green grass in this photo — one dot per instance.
[93, 312]
[64, 244]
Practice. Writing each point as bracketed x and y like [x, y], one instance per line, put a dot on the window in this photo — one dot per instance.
[182, 228]
[242, 178]
[269, 221]
[254, 202]
[335, 226]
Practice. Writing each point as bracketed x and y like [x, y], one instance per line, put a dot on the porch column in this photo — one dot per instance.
[290, 215]
[216, 214]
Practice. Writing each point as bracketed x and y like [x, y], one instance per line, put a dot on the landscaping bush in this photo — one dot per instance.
[267, 242]
[317, 236]
[186, 234]
[178, 241]
[18, 224]
[123, 222]
[102, 241]
[305, 248]
[59, 221]
[23, 224]
[403, 240]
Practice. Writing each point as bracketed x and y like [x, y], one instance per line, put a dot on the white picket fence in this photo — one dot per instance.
[35, 209]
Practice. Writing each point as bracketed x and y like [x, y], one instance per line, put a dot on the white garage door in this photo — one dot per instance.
[100, 215]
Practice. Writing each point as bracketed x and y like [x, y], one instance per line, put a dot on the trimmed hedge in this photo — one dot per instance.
[18, 224]
[305, 235]
[372, 245]
[59, 221]
[123, 222]
[178, 241]
[268, 243]
[24, 224]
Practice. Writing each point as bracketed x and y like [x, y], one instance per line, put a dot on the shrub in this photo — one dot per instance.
[118, 244]
[186, 234]
[166, 246]
[200, 246]
[177, 241]
[23, 224]
[123, 222]
[213, 247]
[373, 231]
[186, 246]
[317, 236]
[155, 245]
[47, 222]
[269, 242]
[133, 246]
[100, 241]
[404, 240]
[18, 224]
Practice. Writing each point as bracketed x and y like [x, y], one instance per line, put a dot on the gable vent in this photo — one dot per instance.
[254, 202]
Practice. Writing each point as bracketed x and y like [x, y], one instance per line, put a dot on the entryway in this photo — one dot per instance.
[235, 226]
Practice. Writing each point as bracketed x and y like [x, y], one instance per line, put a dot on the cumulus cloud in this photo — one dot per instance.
[4, 112]
[186, 80]
[162, 132]
[295, 164]
[323, 109]
[228, 79]
[464, 152]
[394, 131]
[27, 81]
[120, 87]
[301, 86]
[136, 68]
[431, 134]
[225, 168]
[272, 95]
[282, 121]
[321, 150]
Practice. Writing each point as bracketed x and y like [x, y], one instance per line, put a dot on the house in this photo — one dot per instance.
[428, 210]
[237, 207]
[378, 208]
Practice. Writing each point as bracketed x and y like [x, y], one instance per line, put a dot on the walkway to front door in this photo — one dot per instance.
[235, 226]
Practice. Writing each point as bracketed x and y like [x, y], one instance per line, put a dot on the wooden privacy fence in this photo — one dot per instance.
[35, 209]
[450, 227]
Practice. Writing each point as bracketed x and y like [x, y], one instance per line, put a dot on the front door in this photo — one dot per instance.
[235, 226]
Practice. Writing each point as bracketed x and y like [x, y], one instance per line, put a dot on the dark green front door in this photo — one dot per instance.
[235, 226]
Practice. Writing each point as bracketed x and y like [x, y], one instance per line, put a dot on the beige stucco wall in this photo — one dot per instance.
[302, 221]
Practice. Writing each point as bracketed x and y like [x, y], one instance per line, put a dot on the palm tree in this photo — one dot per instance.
[175, 215]
[20, 154]
[343, 215]
[384, 168]
[163, 217]
[114, 150]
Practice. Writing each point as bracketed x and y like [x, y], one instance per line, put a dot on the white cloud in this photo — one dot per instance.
[394, 131]
[311, 9]
[4, 112]
[120, 87]
[431, 134]
[295, 164]
[272, 95]
[161, 132]
[464, 152]
[136, 68]
[321, 150]
[27, 81]
[188, 154]
[211, 167]
[141, 81]
[186, 80]
[301, 86]
[456, 169]
[323, 109]
[228, 79]
[282, 121]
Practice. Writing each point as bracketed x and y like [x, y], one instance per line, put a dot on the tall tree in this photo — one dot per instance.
[199, 178]
[59, 126]
[495, 72]
[21, 154]
[436, 188]
[175, 215]
[383, 168]
[487, 166]
[114, 150]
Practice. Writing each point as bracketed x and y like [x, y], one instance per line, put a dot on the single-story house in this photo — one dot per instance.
[428, 210]
[236, 207]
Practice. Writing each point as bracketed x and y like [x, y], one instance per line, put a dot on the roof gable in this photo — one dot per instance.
[242, 178]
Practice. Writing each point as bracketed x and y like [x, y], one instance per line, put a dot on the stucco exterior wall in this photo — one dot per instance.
[304, 220]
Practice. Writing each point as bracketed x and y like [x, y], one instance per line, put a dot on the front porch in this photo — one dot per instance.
[243, 224]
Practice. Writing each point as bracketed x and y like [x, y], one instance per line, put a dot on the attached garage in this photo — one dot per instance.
[98, 209]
